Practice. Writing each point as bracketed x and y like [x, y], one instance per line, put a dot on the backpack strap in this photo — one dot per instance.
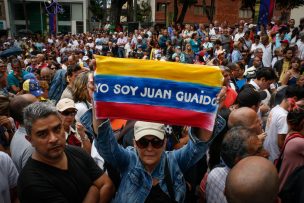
[278, 162]
[168, 181]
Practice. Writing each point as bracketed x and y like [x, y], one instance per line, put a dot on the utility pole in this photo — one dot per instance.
[134, 10]
[25, 15]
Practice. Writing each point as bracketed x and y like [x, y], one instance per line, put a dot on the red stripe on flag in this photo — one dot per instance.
[271, 8]
[155, 113]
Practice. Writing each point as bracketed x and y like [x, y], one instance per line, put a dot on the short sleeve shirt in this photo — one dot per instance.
[12, 80]
[57, 185]
[8, 177]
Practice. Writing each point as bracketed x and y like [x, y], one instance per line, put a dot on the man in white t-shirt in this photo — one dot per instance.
[267, 53]
[277, 127]
[300, 45]
[239, 34]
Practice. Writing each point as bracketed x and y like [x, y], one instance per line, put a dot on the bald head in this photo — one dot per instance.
[18, 103]
[252, 180]
[40, 58]
[245, 117]
[46, 74]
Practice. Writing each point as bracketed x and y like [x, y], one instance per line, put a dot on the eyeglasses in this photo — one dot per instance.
[69, 113]
[144, 143]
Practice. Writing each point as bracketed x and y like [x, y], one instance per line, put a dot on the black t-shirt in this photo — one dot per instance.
[39, 182]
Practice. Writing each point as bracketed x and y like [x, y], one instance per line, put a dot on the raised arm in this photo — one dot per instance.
[106, 143]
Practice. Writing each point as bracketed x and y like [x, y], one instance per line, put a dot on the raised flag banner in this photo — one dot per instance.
[265, 11]
[156, 91]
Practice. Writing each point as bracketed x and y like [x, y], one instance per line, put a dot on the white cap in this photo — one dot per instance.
[65, 104]
[85, 58]
[142, 129]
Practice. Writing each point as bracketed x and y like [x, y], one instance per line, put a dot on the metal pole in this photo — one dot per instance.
[134, 10]
[41, 18]
[166, 15]
[25, 14]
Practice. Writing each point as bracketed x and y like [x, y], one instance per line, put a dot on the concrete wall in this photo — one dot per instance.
[297, 14]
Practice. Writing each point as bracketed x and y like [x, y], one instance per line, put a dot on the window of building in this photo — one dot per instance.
[199, 10]
[64, 28]
[245, 13]
[20, 27]
[19, 12]
[1, 12]
[79, 27]
[160, 7]
[66, 15]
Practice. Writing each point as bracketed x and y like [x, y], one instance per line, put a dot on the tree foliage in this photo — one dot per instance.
[116, 7]
[143, 12]
[96, 7]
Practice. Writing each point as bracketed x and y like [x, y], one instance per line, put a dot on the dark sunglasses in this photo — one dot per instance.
[69, 113]
[144, 143]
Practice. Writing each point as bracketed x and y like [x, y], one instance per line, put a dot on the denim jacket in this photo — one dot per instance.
[57, 86]
[136, 182]
[87, 121]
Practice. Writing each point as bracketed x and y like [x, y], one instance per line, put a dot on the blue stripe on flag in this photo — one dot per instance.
[166, 93]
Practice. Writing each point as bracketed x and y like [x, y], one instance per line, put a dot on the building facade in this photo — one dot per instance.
[74, 17]
[224, 10]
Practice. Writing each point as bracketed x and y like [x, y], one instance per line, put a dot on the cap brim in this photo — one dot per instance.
[65, 108]
[156, 133]
[37, 93]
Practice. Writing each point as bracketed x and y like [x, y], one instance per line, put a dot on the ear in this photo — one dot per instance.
[165, 143]
[134, 144]
[29, 138]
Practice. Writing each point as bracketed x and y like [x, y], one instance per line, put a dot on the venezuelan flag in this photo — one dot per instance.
[164, 92]
[264, 11]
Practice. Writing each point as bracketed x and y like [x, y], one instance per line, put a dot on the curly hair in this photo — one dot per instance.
[295, 119]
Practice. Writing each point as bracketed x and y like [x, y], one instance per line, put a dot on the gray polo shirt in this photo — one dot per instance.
[21, 149]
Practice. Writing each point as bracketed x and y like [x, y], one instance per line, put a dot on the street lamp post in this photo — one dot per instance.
[166, 6]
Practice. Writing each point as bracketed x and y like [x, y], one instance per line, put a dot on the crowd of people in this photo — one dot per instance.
[53, 149]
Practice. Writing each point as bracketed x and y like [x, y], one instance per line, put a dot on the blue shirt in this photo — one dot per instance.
[195, 46]
[12, 80]
[236, 56]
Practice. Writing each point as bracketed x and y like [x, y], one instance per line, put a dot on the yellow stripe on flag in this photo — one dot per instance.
[160, 70]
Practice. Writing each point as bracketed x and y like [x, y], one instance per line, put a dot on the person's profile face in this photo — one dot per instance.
[265, 84]
[16, 68]
[255, 147]
[300, 81]
[227, 77]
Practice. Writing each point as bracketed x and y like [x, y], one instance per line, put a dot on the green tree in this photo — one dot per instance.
[143, 12]
[96, 7]
[116, 7]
